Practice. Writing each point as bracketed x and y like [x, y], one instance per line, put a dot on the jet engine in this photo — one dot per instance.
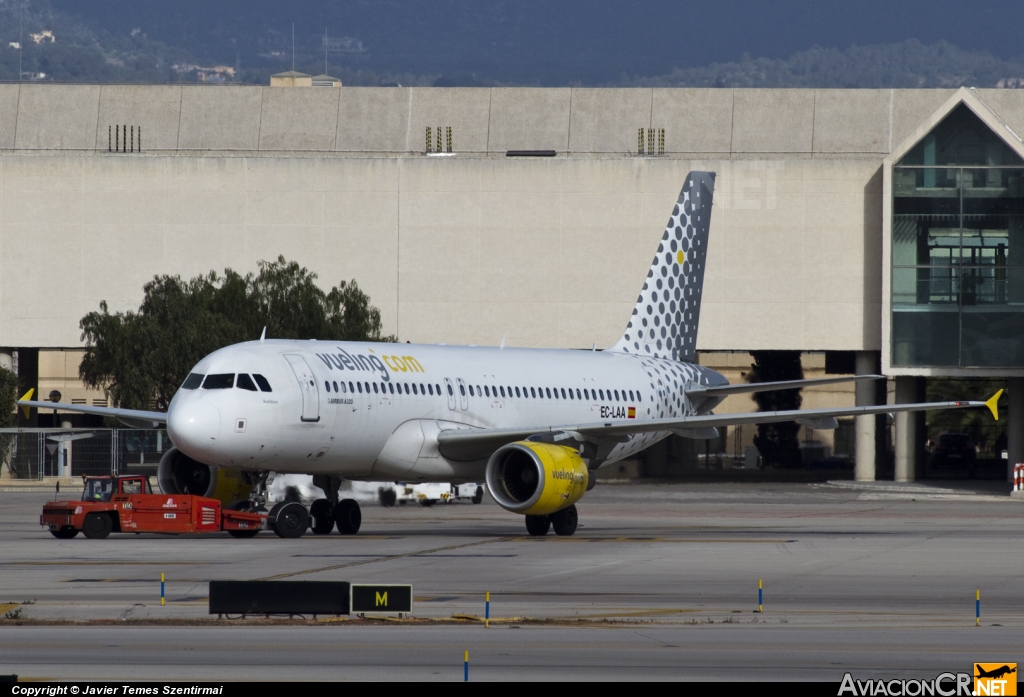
[180, 474]
[536, 478]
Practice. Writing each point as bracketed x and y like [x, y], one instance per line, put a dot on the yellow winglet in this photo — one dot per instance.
[24, 398]
[993, 404]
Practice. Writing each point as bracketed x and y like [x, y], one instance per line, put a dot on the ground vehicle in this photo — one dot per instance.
[427, 494]
[128, 504]
[954, 450]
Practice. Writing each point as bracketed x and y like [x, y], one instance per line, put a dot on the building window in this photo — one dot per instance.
[958, 249]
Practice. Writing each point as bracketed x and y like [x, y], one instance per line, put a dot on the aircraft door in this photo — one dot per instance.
[451, 393]
[463, 395]
[307, 385]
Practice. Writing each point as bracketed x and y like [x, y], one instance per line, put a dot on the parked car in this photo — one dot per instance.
[954, 450]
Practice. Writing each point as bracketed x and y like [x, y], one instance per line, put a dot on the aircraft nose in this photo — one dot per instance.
[194, 426]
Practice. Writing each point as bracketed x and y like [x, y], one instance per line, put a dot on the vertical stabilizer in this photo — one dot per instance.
[664, 321]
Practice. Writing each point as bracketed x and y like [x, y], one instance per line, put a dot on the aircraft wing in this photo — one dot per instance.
[745, 387]
[136, 418]
[474, 444]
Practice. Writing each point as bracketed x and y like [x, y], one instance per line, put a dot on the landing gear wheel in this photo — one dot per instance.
[96, 526]
[348, 516]
[479, 495]
[537, 525]
[564, 521]
[320, 520]
[64, 533]
[289, 519]
[387, 497]
[243, 534]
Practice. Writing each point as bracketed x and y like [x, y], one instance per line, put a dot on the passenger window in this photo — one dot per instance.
[450, 392]
[438, 388]
[471, 391]
[262, 382]
[570, 394]
[479, 392]
[367, 386]
[462, 390]
[422, 389]
[563, 393]
[327, 384]
[414, 388]
[360, 386]
[502, 391]
[578, 395]
[351, 387]
[192, 382]
[548, 390]
[391, 388]
[487, 390]
[336, 386]
[533, 393]
[631, 395]
[616, 395]
[375, 388]
[517, 392]
[430, 388]
[219, 381]
[245, 382]
[601, 392]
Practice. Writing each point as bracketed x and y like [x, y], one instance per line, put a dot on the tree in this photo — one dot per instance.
[777, 442]
[141, 357]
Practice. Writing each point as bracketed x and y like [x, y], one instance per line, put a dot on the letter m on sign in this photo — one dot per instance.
[381, 599]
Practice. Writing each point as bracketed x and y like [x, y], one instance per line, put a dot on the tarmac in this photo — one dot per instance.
[659, 582]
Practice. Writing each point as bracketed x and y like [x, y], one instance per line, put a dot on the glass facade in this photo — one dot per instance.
[958, 249]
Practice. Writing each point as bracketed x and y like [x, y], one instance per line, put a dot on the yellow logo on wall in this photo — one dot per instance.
[995, 679]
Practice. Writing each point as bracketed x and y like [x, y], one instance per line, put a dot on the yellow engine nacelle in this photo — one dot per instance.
[536, 478]
[180, 474]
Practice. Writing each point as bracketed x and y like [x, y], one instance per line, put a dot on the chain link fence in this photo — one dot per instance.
[42, 452]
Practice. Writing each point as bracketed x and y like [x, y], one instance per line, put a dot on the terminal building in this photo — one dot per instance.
[871, 230]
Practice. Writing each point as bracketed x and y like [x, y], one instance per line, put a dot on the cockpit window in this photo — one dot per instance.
[245, 382]
[192, 382]
[262, 382]
[219, 381]
[98, 490]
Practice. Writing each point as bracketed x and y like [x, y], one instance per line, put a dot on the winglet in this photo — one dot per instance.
[263, 336]
[993, 404]
[24, 398]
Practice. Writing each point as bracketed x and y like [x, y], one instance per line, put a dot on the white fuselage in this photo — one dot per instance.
[372, 410]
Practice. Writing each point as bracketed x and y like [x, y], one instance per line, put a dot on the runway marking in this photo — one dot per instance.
[107, 563]
[388, 557]
[658, 540]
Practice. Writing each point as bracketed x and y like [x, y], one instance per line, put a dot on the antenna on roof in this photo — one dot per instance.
[263, 336]
[594, 347]
[502, 342]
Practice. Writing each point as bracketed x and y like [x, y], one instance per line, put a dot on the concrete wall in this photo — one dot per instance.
[383, 119]
[550, 252]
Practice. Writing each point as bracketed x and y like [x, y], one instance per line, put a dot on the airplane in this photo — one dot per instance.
[535, 424]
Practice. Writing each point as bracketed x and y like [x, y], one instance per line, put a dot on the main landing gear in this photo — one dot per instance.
[563, 522]
[290, 519]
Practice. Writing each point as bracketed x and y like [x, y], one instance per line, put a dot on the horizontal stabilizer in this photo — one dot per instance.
[746, 387]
